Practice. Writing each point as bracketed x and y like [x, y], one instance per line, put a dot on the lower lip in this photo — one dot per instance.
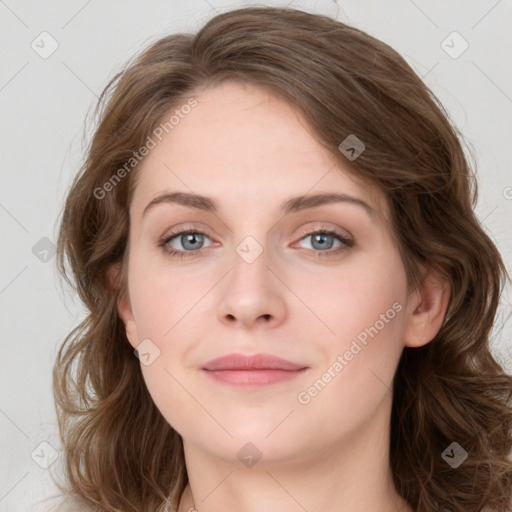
[253, 377]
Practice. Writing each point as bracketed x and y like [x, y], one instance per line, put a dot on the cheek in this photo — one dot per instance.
[164, 308]
[362, 312]
[163, 298]
[363, 292]
[360, 358]
[169, 308]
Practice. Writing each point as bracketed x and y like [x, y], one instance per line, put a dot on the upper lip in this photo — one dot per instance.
[251, 362]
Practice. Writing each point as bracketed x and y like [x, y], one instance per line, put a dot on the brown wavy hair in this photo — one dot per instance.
[120, 453]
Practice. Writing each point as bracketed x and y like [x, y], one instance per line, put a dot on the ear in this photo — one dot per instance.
[124, 308]
[426, 310]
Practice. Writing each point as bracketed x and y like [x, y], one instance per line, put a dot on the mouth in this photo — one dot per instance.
[252, 370]
[253, 377]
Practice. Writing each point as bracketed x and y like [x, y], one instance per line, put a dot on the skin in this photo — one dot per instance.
[250, 151]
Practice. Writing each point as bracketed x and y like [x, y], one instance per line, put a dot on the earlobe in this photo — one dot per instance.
[124, 308]
[427, 310]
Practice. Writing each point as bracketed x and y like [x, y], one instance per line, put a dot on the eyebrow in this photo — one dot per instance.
[291, 205]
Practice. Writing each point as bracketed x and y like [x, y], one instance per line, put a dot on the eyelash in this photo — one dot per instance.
[347, 243]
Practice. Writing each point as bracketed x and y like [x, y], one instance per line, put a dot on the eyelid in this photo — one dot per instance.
[342, 233]
[304, 232]
[346, 240]
[175, 233]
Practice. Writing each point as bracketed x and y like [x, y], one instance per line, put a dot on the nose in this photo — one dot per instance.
[253, 293]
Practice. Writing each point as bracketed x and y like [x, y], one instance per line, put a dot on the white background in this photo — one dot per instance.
[44, 103]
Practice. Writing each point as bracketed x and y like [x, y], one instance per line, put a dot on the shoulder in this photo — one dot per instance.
[61, 503]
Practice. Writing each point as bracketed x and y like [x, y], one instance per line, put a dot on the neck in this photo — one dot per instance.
[352, 476]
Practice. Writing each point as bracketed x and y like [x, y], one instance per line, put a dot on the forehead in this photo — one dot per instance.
[247, 147]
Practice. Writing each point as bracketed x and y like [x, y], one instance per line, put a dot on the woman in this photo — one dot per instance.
[290, 297]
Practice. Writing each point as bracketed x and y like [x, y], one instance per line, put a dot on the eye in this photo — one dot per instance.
[192, 240]
[189, 239]
[322, 241]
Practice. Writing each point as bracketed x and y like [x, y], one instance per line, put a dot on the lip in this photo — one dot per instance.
[251, 362]
[252, 370]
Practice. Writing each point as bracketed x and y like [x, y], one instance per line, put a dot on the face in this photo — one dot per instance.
[321, 285]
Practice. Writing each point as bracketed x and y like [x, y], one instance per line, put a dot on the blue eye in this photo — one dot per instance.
[190, 238]
[325, 240]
